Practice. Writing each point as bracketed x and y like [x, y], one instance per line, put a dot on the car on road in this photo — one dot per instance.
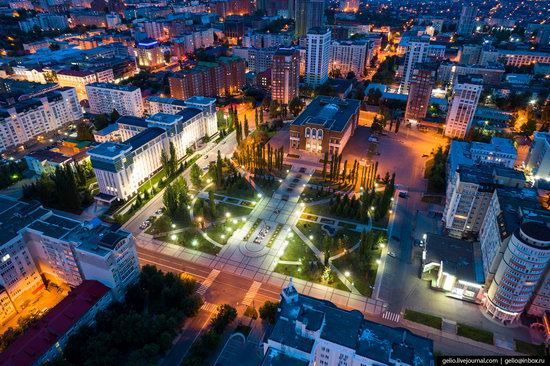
[373, 139]
[160, 211]
[205, 168]
[404, 194]
[205, 157]
[392, 254]
[395, 238]
[424, 155]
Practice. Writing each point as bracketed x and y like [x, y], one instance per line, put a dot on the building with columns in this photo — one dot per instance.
[326, 125]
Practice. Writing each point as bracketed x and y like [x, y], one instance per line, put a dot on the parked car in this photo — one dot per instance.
[392, 254]
[404, 194]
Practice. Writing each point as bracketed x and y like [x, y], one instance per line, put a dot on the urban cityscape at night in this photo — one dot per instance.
[274, 183]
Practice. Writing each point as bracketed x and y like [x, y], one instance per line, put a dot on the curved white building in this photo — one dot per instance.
[522, 267]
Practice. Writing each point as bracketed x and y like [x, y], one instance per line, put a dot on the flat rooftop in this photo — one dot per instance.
[132, 121]
[328, 112]
[164, 118]
[119, 87]
[110, 149]
[144, 137]
[460, 258]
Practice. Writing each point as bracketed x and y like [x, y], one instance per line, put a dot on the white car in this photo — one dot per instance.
[392, 254]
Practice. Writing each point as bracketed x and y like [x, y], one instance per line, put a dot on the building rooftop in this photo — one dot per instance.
[144, 137]
[39, 338]
[120, 87]
[349, 329]
[189, 113]
[173, 101]
[110, 149]
[197, 100]
[318, 30]
[107, 130]
[76, 73]
[460, 258]
[132, 121]
[48, 155]
[164, 118]
[16, 215]
[275, 358]
[328, 112]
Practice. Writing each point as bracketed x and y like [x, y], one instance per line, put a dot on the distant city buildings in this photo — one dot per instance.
[78, 79]
[538, 160]
[285, 75]
[467, 21]
[106, 97]
[308, 14]
[149, 54]
[462, 107]
[326, 125]
[318, 56]
[316, 332]
[38, 116]
[121, 168]
[45, 22]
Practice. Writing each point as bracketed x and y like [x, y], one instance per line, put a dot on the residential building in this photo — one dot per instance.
[318, 56]
[157, 104]
[109, 133]
[310, 331]
[470, 54]
[46, 22]
[500, 151]
[189, 42]
[467, 21]
[44, 342]
[520, 58]
[260, 59]
[149, 54]
[492, 73]
[538, 160]
[46, 161]
[224, 77]
[225, 8]
[469, 194]
[348, 56]
[106, 97]
[79, 79]
[520, 271]
[420, 92]
[466, 93]
[121, 168]
[267, 40]
[285, 75]
[233, 28]
[417, 52]
[326, 125]
[308, 14]
[37, 116]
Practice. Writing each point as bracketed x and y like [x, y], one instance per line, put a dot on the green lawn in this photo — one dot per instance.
[422, 318]
[268, 187]
[310, 269]
[247, 192]
[344, 238]
[321, 210]
[222, 231]
[192, 239]
[529, 348]
[362, 272]
[476, 334]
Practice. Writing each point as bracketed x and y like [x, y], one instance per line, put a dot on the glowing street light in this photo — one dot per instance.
[347, 274]
[311, 237]
[195, 242]
[378, 261]
[173, 226]
[228, 214]
[174, 237]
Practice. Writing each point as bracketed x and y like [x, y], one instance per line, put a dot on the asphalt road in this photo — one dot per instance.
[209, 154]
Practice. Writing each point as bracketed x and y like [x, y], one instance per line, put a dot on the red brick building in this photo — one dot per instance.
[210, 79]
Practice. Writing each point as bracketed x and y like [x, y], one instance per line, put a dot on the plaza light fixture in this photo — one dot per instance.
[228, 229]
[195, 242]
[244, 219]
[303, 204]
[173, 226]
[174, 237]
[311, 237]
[425, 236]
[378, 261]
[347, 274]
[228, 214]
[280, 181]
[223, 236]
[235, 221]
[390, 211]
[290, 235]
[288, 171]
[259, 195]
[372, 208]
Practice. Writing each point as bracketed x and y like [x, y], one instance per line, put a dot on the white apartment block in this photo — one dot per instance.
[79, 79]
[318, 55]
[417, 52]
[37, 116]
[106, 97]
[462, 107]
[538, 160]
[157, 104]
[469, 194]
[260, 59]
[348, 56]
[521, 269]
[121, 168]
[266, 40]
[311, 331]
[192, 41]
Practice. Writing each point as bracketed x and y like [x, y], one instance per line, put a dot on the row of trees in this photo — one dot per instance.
[354, 174]
[169, 161]
[437, 173]
[259, 155]
[64, 189]
[140, 330]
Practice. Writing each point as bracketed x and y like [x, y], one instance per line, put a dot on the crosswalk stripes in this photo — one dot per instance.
[391, 316]
[209, 307]
[251, 293]
[208, 281]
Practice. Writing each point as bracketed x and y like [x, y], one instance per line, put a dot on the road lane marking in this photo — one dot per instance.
[207, 306]
[388, 315]
[207, 282]
[251, 293]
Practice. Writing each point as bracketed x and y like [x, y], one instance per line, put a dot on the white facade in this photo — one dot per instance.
[522, 267]
[318, 56]
[348, 57]
[538, 160]
[417, 52]
[125, 99]
[121, 168]
[38, 116]
[462, 108]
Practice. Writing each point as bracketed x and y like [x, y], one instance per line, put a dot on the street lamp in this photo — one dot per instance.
[228, 214]
[173, 226]
[311, 237]
[378, 261]
[174, 237]
[195, 242]
[347, 274]
[425, 236]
